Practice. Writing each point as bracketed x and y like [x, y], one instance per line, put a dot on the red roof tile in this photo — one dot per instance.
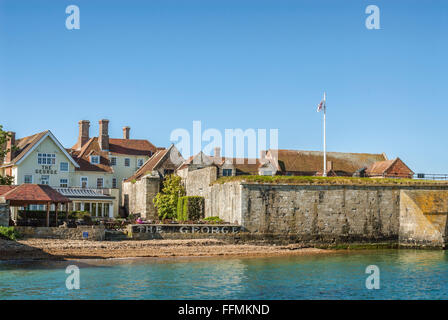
[34, 194]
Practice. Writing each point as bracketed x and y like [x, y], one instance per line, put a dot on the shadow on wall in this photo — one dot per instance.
[423, 217]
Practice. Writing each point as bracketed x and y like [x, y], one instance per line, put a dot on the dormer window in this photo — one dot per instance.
[94, 159]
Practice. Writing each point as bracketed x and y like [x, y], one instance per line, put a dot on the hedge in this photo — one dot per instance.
[190, 208]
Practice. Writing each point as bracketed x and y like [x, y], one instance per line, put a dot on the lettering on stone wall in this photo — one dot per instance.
[185, 228]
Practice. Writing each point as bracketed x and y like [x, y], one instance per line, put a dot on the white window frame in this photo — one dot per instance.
[114, 162]
[42, 179]
[114, 183]
[94, 157]
[102, 183]
[127, 160]
[61, 183]
[46, 158]
[60, 166]
[28, 175]
[140, 162]
[87, 182]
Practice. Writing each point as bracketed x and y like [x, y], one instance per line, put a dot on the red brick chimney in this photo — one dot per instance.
[103, 137]
[9, 144]
[83, 135]
[126, 132]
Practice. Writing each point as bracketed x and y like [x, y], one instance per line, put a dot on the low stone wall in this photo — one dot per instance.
[4, 215]
[80, 233]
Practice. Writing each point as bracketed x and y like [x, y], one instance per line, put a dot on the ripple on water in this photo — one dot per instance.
[404, 274]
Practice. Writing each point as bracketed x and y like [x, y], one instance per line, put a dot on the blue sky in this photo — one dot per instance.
[158, 65]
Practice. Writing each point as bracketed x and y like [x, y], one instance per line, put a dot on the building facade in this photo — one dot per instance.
[90, 173]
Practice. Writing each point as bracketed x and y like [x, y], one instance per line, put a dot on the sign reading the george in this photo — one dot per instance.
[46, 170]
[184, 228]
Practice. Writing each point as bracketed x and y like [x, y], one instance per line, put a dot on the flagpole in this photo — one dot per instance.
[325, 142]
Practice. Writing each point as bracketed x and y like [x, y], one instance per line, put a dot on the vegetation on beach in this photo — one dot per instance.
[9, 233]
[311, 180]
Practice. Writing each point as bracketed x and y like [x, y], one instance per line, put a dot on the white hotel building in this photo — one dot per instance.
[90, 173]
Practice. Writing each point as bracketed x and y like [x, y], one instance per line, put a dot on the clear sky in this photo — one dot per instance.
[158, 65]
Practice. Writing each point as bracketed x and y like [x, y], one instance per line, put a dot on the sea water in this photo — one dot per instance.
[403, 274]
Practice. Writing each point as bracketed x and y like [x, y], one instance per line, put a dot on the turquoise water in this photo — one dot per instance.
[404, 274]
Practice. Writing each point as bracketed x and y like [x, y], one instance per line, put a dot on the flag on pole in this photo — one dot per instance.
[321, 105]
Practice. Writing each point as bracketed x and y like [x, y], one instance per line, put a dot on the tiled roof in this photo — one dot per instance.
[34, 194]
[116, 146]
[382, 167]
[379, 167]
[131, 147]
[5, 189]
[82, 157]
[312, 161]
[25, 144]
[149, 165]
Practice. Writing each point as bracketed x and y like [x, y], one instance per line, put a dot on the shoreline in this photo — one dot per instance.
[58, 249]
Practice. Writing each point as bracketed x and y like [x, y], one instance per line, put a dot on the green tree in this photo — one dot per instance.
[166, 200]
[4, 138]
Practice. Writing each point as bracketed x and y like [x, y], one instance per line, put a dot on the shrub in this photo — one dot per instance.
[214, 220]
[190, 208]
[166, 201]
[9, 233]
[84, 215]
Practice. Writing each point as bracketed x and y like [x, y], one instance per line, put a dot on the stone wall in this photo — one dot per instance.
[4, 215]
[93, 233]
[197, 182]
[138, 196]
[423, 217]
[409, 214]
[340, 212]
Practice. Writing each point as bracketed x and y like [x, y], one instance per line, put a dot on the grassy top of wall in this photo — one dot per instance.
[308, 180]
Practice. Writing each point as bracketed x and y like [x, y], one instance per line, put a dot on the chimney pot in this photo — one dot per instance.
[9, 144]
[126, 131]
[83, 135]
[217, 152]
[103, 137]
